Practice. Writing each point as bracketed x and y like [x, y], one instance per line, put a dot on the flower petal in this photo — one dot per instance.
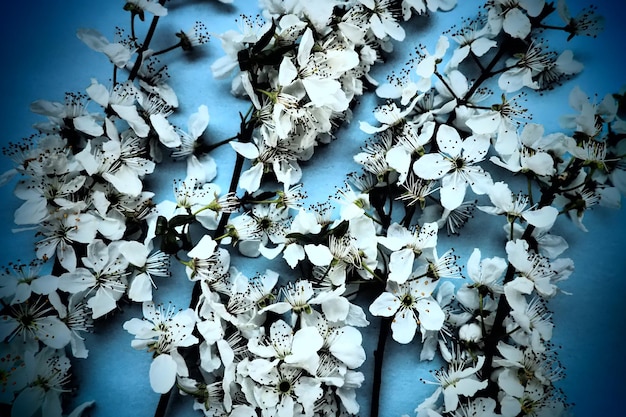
[404, 326]
[162, 373]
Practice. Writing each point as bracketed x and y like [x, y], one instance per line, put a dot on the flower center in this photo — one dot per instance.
[284, 387]
[407, 300]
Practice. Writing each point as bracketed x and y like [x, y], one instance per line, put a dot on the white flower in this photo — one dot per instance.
[588, 112]
[411, 304]
[389, 115]
[319, 72]
[405, 246]
[533, 270]
[297, 348]
[148, 265]
[549, 245]
[157, 110]
[37, 191]
[342, 342]
[538, 400]
[233, 41]
[474, 38]
[19, 281]
[295, 298]
[420, 6]
[139, 6]
[455, 165]
[72, 115]
[521, 365]
[531, 154]
[163, 332]
[486, 276]
[281, 389]
[207, 262]
[353, 204]
[201, 168]
[78, 318]
[103, 276]
[428, 64]
[459, 379]
[47, 373]
[513, 16]
[515, 207]
[31, 322]
[586, 23]
[500, 121]
[121, 163]
[59, 232]
[118, 53]
[302, 223]
[121, 99]
[383, 19]
[531, 325]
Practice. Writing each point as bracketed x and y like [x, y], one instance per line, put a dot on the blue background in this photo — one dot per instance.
[43, 59]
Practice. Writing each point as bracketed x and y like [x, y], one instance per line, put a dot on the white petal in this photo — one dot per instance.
[347, 347]
[287, 72]
[385, 305]
[336, 309]
[162, 373]
[251, 179]
[516, 23]
[125, 180]
[98, 93]
[319, 255]
[131, 116]
[135, 252]
[53, 332]
[117, 53]
[28, 401]
[540, 163]
[87, 124]
[204, 248]
[544, 217]
[403, 326]
[31, 212]
[449, 140]
[305, 47]
[401, 265]
[306, 342]
[102, 303]
[452, 191]
[45, 284]
[480, 46]
[92, 38]
[510, 383]
[432, 166]
[518, 255]
[198, 122]
[469, 387]
[293, 253]
[155, 8]
[473, 264]
[167, 133]
[246, 149]
[140, 288]
[431, 316]
[484, 123]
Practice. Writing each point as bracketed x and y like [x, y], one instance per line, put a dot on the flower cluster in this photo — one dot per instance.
[451, 131]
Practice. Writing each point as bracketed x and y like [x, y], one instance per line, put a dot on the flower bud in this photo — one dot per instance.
[470, 332]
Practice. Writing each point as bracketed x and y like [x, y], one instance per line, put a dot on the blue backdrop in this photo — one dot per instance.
[43, 59]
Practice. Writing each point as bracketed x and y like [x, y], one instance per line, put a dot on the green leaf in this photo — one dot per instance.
[161, 226]
[181, 220]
